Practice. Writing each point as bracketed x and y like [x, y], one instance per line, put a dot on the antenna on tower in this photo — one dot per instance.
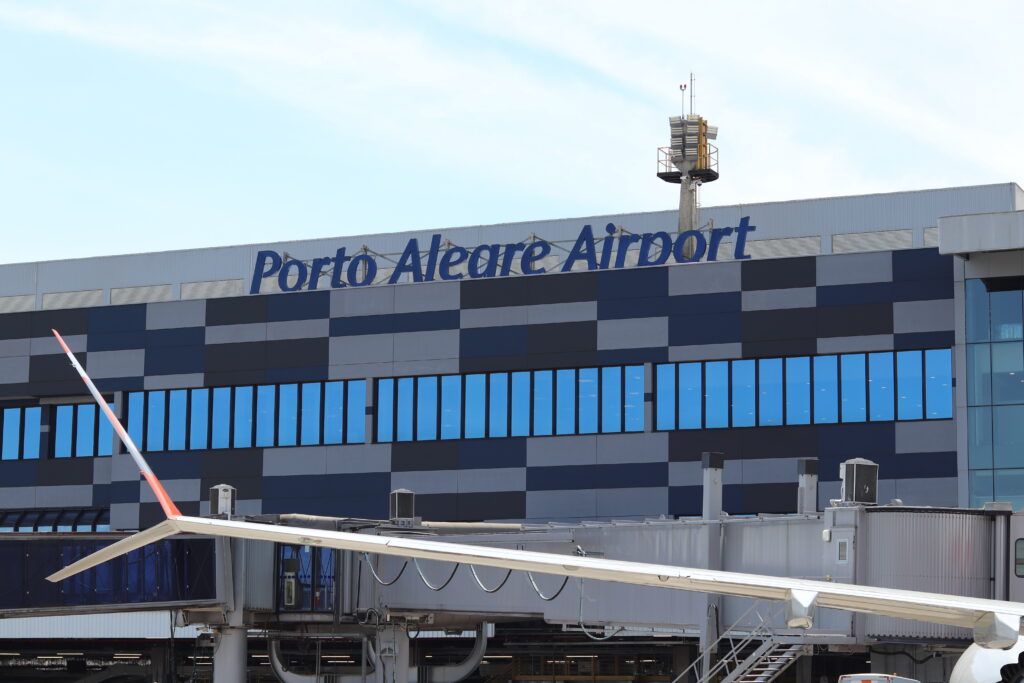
[690, 160]
[691, 92]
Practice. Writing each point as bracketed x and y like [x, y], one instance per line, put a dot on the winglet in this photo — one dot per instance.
[170, 509]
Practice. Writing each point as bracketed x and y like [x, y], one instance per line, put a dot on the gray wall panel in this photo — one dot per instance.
[561, 450]
[852, 269]
[48, 344]
[632, 502]
[706, 352]
[362, 301]
[128, 363]
[78, 495]
[180, 490]
[362, 348]
[299, 329]
[427, 296]
[631, 333]
[282, 462]
[554, 505]
[864, 342]
[922, 316]
[930, 436]
[493, 317]
[573, 311]
[174, 314]
[362, 458]
[188, 380]
[698, 278]
[489, 480]
[771, 299]
[15, 347]
[426, 345]
[14, 370]
[626, 448]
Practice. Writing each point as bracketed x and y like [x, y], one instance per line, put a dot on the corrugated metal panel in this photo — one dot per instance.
[882, 240]
[931, 237]
[96, 626]
[140, 295]
[13, 304]
[80, 299]
[212, 289]
[259, 575]
[940, 552]
[790, 246]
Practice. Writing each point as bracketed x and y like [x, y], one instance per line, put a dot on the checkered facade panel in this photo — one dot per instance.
[840, 303]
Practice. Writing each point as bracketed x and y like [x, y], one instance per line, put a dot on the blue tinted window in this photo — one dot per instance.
[611, 400]
[85, 433]
[588, 401]
[798, 391]
[476, 406]
[287, 414]
[979, 374]
[12, 434]
[633, 408]
[716, 399]
[266, 417]
[665, 400]
[309, 432]
[451, 407]
[854, 387]
[32, 417]
[1008, 436]
[200, 422]
[938, 384]
[1007, 372]
[220, 432]
[691, 396]
[426, 408]
[385, 410]
[979, 438]
[136, 415]
[498, 420]
[881, 386]
[403, 414]
[565, 404]
[826, 390]
[243, 417]
[355, 421]
[743, 392]
[177, 414]
[334, 412]
[977, 311]
[1005, 309]
[769, 400]
[909, 385]
[542, 403]
[155, 418]
[520, 404]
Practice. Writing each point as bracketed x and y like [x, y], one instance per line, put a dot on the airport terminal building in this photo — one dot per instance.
[570, 369]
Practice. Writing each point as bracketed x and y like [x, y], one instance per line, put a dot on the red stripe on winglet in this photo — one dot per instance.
[170, 509]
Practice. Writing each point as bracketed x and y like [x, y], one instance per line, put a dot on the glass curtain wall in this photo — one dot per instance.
[995, 389]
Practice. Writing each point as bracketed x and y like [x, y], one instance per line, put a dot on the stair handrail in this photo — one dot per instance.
[759, 632]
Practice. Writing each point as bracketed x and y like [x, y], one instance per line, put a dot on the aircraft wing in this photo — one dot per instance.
[995, 623]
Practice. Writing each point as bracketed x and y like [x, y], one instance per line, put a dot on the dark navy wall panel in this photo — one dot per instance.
[706, 328]
[117, 318]
[175, 360]
[236, 310]
[67, 322]
[565, 477]
[494, 341]
[394, 322]
[298, 306]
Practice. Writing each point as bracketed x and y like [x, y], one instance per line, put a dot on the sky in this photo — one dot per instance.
[147, 125]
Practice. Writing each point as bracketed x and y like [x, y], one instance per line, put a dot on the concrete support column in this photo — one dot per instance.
[712, 464]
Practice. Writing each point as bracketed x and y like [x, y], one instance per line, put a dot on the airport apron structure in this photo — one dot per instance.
[623, 387]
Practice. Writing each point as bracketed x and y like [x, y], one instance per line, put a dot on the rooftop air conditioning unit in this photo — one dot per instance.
[402, 507]
[860, 481]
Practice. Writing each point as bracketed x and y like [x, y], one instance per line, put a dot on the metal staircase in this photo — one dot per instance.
[771, 654]
[765, 663]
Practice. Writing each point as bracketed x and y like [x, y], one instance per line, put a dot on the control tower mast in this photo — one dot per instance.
[690, 161]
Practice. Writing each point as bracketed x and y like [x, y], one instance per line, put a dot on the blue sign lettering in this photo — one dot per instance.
[496, 260]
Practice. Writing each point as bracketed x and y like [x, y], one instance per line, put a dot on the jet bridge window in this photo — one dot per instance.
[1018, 558]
